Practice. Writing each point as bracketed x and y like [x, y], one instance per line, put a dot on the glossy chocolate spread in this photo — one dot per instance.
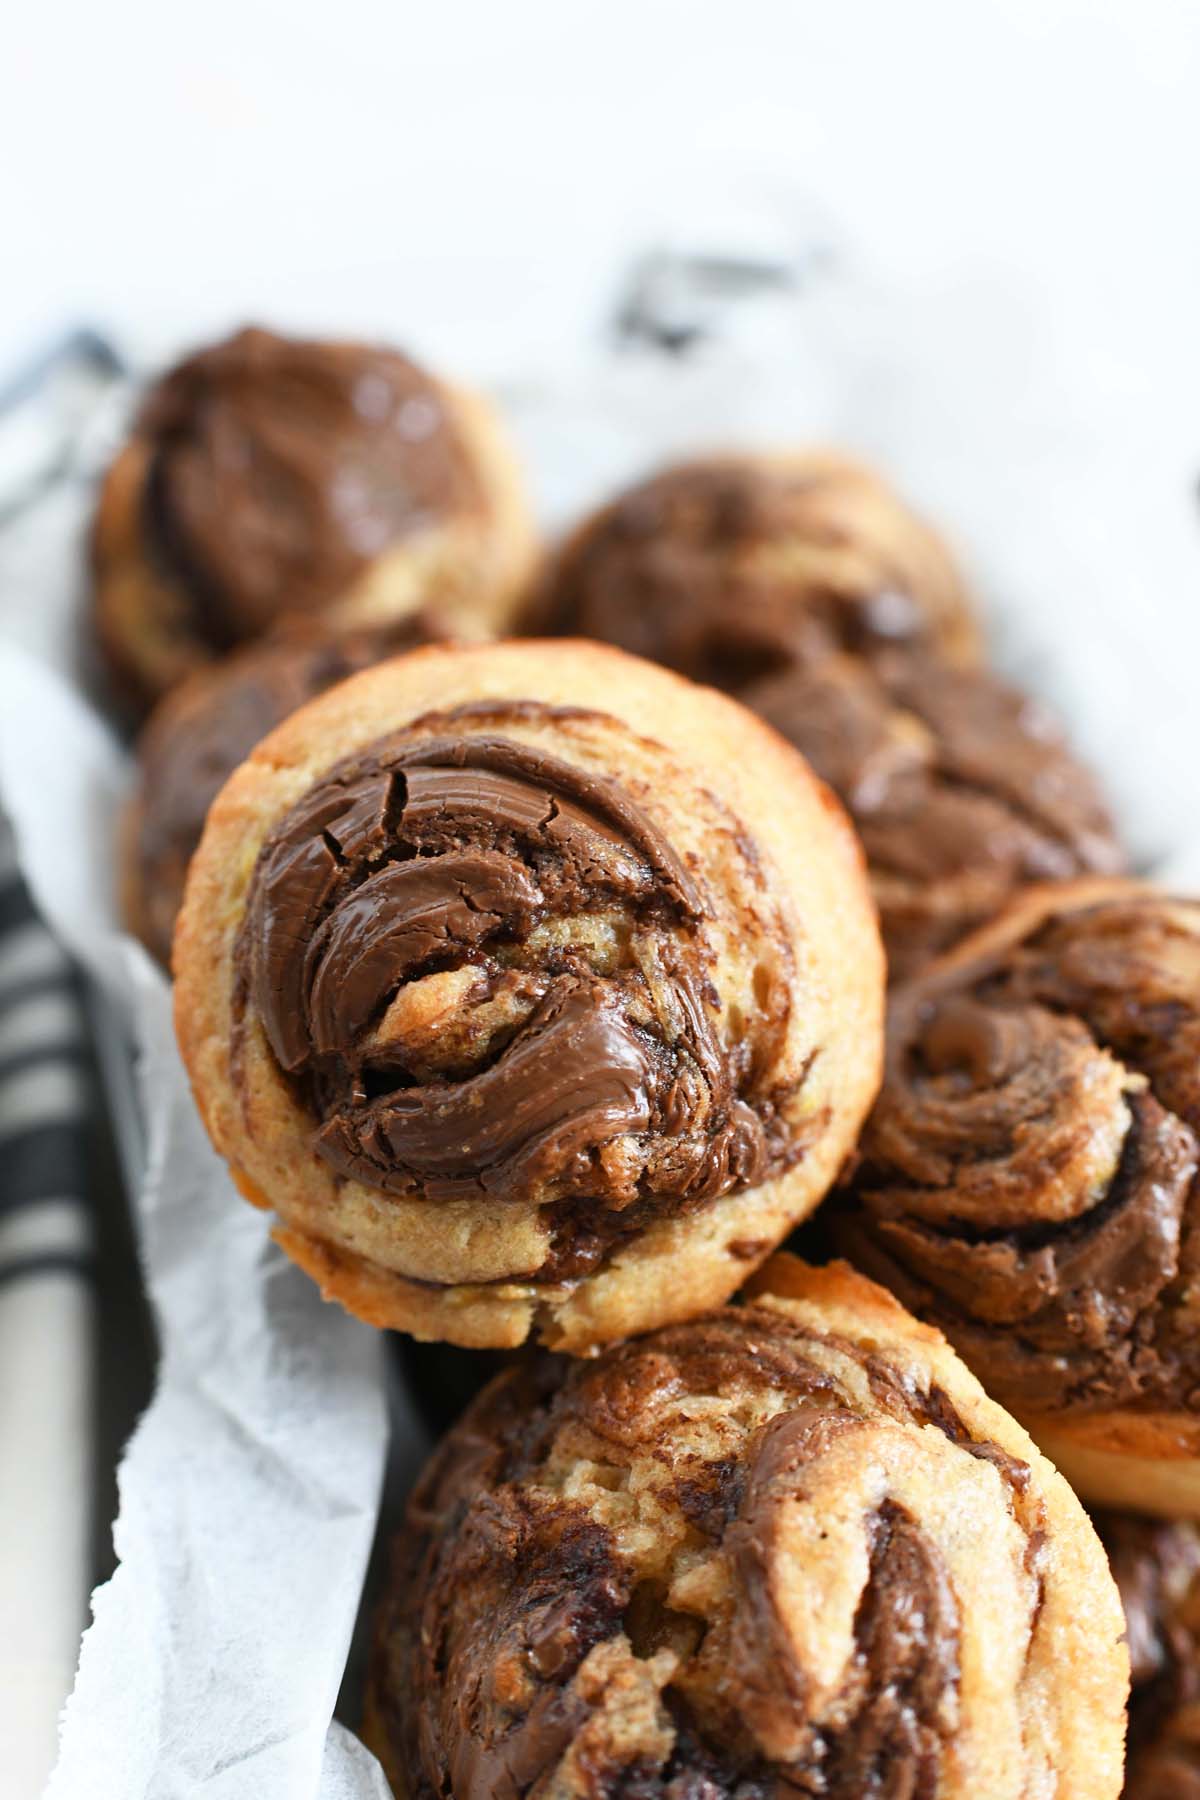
[278, 469]
[945, 771]
[487, 972]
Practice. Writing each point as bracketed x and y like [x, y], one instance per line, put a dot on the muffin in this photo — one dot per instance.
[269, 476]
[784, 1548]
[719, 567]
[804, 586]
[510, 980]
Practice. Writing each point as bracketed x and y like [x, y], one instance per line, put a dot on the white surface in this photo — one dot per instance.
[1010, 185]
[469, 171]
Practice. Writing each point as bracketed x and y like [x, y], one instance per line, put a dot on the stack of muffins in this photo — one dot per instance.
[536, 985]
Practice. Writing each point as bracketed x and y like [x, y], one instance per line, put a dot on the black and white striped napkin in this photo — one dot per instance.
[46, 1333]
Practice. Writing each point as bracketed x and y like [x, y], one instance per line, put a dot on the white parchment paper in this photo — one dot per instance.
[248, 1493]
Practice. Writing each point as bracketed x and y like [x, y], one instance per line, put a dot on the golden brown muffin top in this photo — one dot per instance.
[490, 974]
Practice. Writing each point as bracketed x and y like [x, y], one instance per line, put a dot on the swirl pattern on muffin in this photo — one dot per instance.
[514, 882]
[269, 476]
[1028, 1178]
[962, 788]
[202, 730]
[720, 567]
[512, 1000]
[784, 1549]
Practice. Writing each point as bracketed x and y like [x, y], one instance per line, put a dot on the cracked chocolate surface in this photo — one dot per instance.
[488, 974]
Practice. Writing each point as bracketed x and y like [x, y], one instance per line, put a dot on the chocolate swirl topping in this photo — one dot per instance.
[487, 973]
[722, 568]
[962, 788]
[278, 469]
[681, 1573]
[1157, 1567]
[1028, 1178]
[198, 736]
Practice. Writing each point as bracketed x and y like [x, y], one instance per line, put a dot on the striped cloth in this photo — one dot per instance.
[46, 1335]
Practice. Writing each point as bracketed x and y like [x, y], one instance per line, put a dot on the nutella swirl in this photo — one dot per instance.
[1157, 1568]
[487, 973]
[278, 469]
[721, 568]
[701, 1567]
[1028, 1178]
[204, 729]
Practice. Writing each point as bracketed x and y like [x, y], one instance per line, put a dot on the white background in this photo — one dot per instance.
[465, 172]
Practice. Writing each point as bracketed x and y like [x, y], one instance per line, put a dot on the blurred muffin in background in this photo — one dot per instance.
[722, 566]
[202, 730]
[269, 476]
[1157, 1566]
[806, 587]
[963, 789]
